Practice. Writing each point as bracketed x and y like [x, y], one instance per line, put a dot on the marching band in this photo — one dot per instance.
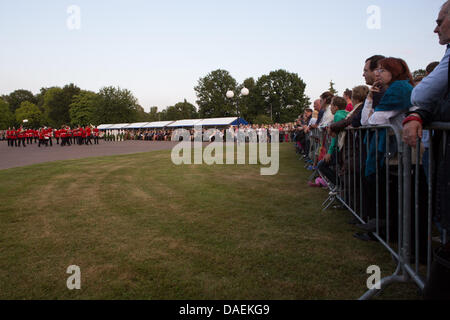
[44, 136]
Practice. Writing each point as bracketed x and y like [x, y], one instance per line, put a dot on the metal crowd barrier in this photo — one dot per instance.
[397, 197]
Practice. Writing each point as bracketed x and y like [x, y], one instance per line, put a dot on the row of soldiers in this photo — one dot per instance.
[44, 136]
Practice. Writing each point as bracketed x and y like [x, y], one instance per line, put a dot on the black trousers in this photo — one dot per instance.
[328, 169]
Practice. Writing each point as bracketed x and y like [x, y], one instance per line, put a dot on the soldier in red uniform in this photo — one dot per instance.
[41, 137]
[69, 133]
[29, 136]
[8, 136]
[63, 135]
[83, 135]
[76, 135]
[13, 137]
[96, 134]
[88, 135]
[21, 136]
[36, 135]
[57, 136]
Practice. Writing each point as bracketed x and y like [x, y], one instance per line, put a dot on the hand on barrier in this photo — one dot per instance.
[411, 131]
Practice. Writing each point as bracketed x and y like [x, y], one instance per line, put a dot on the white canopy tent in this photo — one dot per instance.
[118, 126]
[217, 122]
[157, 124]
[136, 125]
[104, 126]
[184, 123]
[175, 124]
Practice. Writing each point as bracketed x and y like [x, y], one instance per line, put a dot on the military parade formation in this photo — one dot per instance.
[65, 136]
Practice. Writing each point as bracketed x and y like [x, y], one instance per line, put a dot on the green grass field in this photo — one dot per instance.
[140, 227]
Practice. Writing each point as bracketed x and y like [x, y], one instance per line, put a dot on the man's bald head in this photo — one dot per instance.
[317, 105]
[443, 24]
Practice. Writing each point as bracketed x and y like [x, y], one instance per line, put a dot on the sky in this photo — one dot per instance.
[160, 49]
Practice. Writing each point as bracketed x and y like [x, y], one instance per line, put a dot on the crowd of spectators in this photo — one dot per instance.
[393, 101]
[286, 133]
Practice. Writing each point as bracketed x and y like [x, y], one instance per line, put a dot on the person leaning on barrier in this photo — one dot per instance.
[327, 165]
[328, 116]
[432, 88]
[359, 95]
[431, 100]
[394, 78]
[369, 75]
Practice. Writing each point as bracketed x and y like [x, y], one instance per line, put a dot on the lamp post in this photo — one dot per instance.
[230, 95]
[267, 99]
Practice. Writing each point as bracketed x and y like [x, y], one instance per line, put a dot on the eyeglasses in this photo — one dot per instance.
[379, 70]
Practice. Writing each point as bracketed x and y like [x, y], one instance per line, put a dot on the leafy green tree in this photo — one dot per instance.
[262, 119]
[116, 105]
[419, 73]
[181, 110]
[141, 115]
[57, 103]
[153, 114]
[83, 107]
[162, 116]
[15, 99]
[7, 118]
[40, 98]
[31, 112]
[211, 94]
[332, 89]
[283, 95]
[252, 105]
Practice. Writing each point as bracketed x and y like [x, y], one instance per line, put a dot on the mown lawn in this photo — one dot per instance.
[140, 227]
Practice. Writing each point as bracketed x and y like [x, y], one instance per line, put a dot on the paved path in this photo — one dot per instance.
[31, 154]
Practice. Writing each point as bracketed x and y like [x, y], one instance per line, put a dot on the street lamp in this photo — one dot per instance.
[230, 95]
[267, 99]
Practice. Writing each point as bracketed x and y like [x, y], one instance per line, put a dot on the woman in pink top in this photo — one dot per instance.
[348, 98]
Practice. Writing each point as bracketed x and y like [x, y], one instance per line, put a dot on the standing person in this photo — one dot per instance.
[70, 136]
[21, 136]
[82, 135]
[57, 132]
[50, 136]
[88, 135]
[96, 134]
[63, 135]
[8, 136]
[318, 108]
[36, 135]
[41, 137]
[29, 136]
[348, 99]
[337, 108]
[432, 99]
[327, 118]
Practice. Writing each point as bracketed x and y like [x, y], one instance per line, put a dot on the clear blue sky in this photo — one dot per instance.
[159, 49]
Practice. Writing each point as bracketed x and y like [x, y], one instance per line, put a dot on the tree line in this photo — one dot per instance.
[276, 97]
